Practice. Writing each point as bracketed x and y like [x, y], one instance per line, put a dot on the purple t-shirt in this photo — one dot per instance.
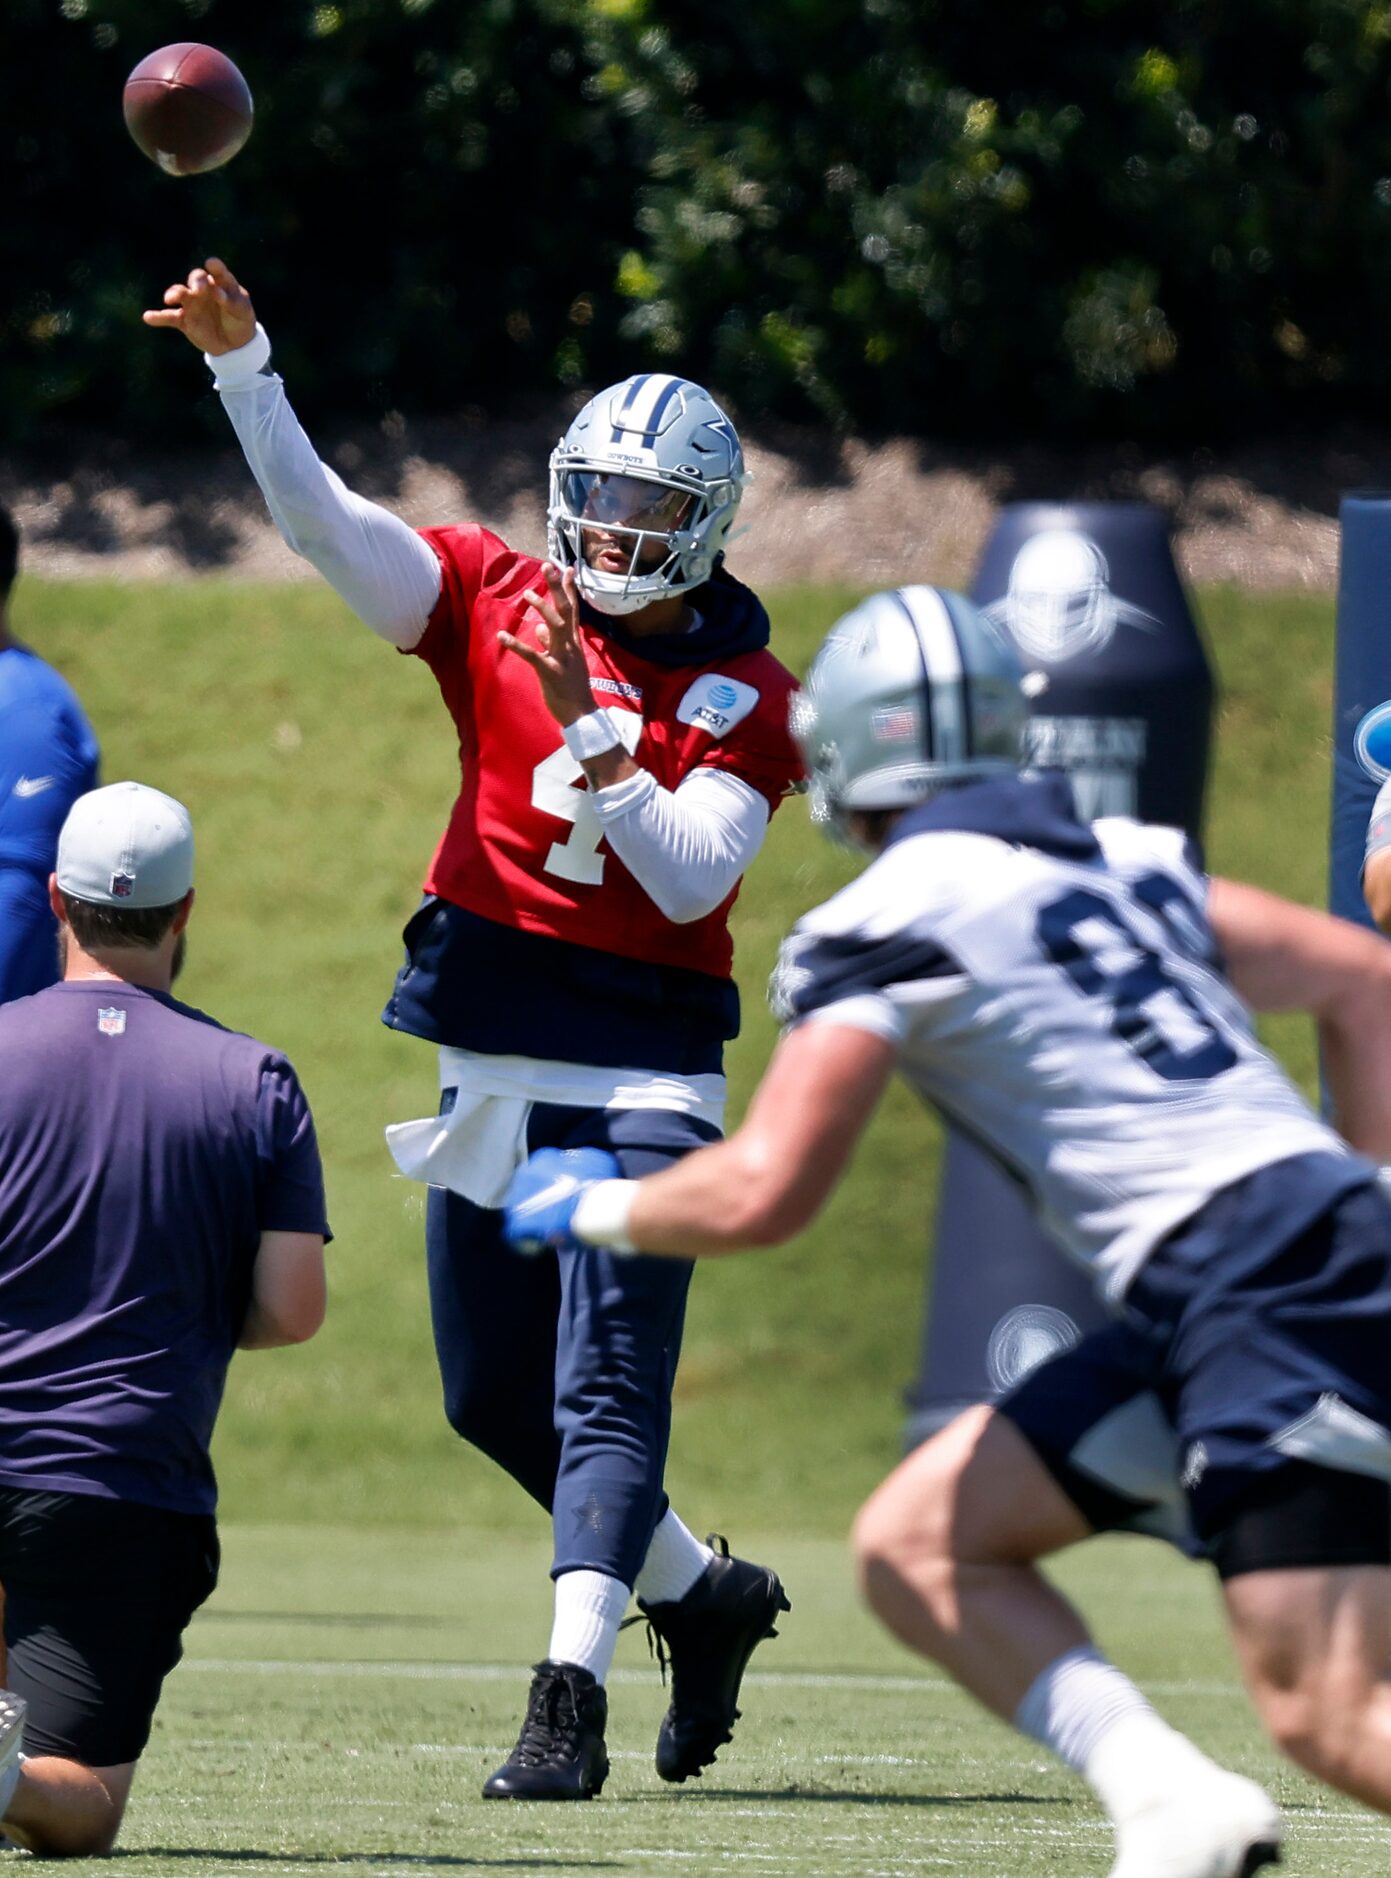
[144, 1149]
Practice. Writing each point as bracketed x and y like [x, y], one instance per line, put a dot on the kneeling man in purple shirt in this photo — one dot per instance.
[161, 1205]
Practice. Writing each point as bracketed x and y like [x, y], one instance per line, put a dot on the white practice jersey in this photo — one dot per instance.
[1067, 1013]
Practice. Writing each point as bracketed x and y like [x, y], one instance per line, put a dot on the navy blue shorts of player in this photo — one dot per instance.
[1259, 1326]
[97, 1595]
[561, 1368]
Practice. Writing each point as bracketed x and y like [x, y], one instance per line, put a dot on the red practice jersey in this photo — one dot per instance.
[524, 846]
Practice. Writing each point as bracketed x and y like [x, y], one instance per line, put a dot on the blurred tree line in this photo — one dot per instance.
[1066, 217]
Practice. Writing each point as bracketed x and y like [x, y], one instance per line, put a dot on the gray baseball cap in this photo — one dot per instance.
[126, 845]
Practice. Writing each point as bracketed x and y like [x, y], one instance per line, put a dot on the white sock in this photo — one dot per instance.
[1096, 1720]
[675, 1560]
[589, 1607]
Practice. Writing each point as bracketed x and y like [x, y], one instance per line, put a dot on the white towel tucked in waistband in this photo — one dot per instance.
[476, 1148]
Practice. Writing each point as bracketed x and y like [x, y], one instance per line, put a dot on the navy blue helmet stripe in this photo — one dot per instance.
[673, 390]
[929, 729]
[652, 423]
[968, 716]
[627, 405]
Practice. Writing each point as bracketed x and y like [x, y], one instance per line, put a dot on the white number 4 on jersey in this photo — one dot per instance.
[553, 792]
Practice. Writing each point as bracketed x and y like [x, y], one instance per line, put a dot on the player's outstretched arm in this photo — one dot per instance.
[766, 1182]
[1284, 957]
[386, 573]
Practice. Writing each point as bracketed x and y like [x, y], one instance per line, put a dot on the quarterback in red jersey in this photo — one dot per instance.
[623, 740]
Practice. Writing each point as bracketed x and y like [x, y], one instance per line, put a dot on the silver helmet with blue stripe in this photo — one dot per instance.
[644, 488]
[910, 691]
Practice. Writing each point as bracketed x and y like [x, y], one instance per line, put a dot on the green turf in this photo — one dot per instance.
[345, 1694]
[319, 766]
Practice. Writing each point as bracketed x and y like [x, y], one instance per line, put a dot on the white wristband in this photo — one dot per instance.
[601, 1218]
[591, 736]
[240, 366]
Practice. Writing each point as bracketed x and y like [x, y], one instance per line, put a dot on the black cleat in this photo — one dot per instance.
[560, 1752]
[708, 1637]
[1259, 1856]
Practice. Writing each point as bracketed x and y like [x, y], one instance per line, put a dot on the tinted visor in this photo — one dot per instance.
[611, 501]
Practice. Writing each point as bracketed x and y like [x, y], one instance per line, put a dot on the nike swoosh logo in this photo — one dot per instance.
[33, 785]
[560, 1189]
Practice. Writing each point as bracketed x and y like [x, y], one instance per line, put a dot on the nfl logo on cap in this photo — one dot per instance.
[126, 845]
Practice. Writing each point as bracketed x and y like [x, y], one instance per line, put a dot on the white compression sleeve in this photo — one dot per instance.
[387, 574]
[686, 847]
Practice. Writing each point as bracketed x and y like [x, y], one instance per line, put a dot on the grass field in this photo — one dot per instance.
[363, 1666]
[345, 1695]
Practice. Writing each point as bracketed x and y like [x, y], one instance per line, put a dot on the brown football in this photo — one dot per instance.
[188, 108]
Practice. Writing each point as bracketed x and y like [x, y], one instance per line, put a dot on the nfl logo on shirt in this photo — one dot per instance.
[111, 1023]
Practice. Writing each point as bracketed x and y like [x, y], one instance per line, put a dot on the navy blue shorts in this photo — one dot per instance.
[1251, 1363]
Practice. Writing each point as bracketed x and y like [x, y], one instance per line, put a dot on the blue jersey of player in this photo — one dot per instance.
[48, 757]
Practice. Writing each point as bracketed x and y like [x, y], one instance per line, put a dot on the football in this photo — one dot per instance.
[188, 108]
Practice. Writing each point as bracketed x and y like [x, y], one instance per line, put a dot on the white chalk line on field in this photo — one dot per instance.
[205, 1744]
[427, 1671]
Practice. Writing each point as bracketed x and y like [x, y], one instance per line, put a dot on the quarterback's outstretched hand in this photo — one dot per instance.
[540, 1203]
[211, 309]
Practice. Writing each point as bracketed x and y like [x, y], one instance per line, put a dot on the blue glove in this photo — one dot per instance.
[541, 1199]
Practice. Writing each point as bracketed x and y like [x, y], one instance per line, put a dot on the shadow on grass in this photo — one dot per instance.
[830, 1796]
[444, 1861]
[358, 1620]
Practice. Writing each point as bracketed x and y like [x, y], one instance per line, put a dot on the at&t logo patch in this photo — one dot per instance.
[716, 704]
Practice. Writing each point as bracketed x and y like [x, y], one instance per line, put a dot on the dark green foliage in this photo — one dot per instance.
[428, 210]
[1101, 216]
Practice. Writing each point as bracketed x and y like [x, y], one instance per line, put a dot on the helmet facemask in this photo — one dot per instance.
[649, 530]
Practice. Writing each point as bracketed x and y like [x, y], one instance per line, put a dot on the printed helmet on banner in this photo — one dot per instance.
[910, 691]
[1059, 599]
[651, 472]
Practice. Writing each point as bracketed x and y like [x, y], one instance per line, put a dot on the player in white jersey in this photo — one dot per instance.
[1056, 990]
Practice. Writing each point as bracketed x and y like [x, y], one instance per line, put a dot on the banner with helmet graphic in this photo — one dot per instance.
[1120, 697]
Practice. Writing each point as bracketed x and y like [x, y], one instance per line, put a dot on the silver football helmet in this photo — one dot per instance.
[644, 488]
[909, 691]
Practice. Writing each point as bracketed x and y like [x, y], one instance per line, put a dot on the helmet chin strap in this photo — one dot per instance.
[614, 605]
